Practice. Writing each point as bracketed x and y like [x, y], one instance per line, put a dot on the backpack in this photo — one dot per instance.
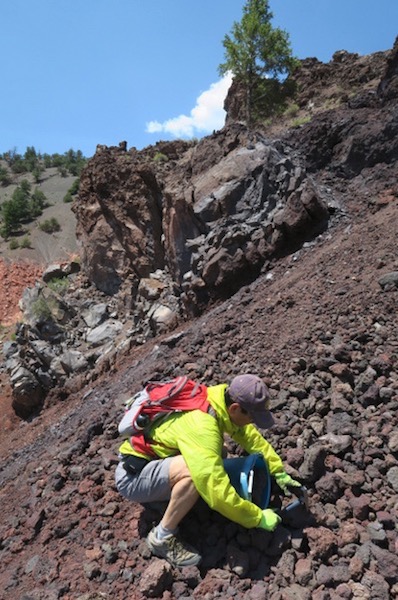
[156, 402]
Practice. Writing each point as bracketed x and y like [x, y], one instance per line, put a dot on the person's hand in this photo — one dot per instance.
[269, 520]
[286, 483]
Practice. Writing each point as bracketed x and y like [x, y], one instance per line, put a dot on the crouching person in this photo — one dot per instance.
[180, 459]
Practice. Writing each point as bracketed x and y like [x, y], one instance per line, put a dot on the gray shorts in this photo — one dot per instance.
[151, 485]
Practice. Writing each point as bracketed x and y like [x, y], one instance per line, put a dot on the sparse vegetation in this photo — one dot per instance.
[23, 206]
[301, 121]
[26, 242]
[160, 157]
[13, 245]
[50, 225]
[59, 285]
[38, 203]
[68, 197]
[292, 110]
[5, 177]
[71, 162]
[41, 310]
[37, 173]
[73, 190]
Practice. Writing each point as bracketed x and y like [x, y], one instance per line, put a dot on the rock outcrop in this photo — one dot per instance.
[210, 214]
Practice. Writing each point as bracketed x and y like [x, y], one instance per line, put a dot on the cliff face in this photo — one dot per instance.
[307, 219]
[213, 214]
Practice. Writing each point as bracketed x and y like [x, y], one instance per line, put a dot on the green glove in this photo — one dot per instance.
[285, 482]
[269, 520]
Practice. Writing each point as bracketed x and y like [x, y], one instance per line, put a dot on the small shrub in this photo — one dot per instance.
[41, 310]
[38, 203]
[160, 157]
[18, 166]
[74, 188]
[5, 177]
[68, 198]
[292, 110]
[37, 173]
[5, 232]
[63, 171]
[302, 121]
[25, 242]
[50, 226]
[59, 284]
[13, 244]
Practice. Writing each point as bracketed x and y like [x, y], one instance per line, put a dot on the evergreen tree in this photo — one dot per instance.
[15, 211]
[31, 158]
[258, 55]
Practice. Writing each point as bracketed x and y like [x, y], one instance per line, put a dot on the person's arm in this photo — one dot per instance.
[200, 443]
[252, 441]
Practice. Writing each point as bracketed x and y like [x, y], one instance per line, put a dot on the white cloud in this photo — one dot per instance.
[207, 115]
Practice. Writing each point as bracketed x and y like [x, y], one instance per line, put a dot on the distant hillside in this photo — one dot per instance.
[44, 247]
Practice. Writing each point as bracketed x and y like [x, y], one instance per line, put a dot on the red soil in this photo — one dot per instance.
[14, 278]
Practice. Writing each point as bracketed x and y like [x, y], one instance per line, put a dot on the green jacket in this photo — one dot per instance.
[199, 437]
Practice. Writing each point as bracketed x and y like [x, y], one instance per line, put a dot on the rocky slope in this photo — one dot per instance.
[307, 303]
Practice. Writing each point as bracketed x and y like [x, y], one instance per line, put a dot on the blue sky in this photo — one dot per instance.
[77, 73]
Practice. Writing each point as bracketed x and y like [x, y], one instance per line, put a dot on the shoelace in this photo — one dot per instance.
[178, 550]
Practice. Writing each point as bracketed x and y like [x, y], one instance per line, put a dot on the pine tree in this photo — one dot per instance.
[258, 55]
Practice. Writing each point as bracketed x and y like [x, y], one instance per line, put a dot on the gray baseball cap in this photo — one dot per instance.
[251, 393]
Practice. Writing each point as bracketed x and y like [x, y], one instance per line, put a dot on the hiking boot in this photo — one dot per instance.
[173, 550]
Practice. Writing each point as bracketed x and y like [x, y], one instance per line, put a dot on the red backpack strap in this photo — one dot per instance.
[157, 390]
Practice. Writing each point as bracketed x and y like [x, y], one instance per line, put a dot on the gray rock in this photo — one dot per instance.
[336, 443]
[313, 465]
[105, 332]
[377, 533]
[393, 441]
[295, 592]
[9, 349]
[73, 361]
[387, 563]
[365, 380]
[161, 317]
[95, 315]
[389, 279]
[332, 576]
[340, 423]
[43, 350]
[377, 586]
[28, 394]
[330, 487]
[392, 477]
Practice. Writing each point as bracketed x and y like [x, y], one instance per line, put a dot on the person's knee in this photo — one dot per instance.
[179, 471]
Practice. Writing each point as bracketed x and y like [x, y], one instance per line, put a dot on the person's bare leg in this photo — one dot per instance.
[183, 494]
[162, 540]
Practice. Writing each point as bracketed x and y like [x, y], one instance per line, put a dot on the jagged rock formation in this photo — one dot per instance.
[319, 324]
[210, 215]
